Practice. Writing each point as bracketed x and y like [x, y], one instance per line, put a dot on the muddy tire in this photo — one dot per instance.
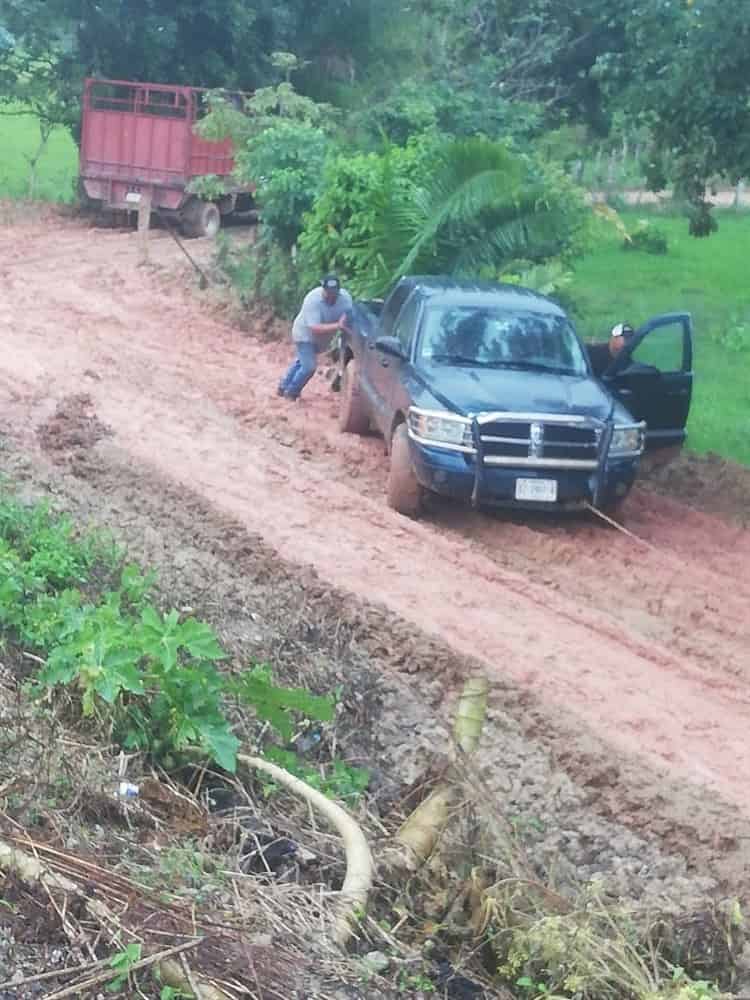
[201, 218]
[405, 494]
[353, 418]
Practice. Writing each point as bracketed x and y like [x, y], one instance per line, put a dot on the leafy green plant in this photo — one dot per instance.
[356, 226]
[170, 993]
[151, 677]
[339, 780]
[285, 162]
[531, 988]
[647, 238]
[734, 336]
[209, 186]
[415, 981]
[274, 704]
[123, 962]
[469, 209]
[277, 277]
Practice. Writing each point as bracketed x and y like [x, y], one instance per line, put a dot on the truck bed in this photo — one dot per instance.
[135, 135]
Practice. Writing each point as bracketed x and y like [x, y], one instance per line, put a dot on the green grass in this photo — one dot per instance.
[707, 277]
[56, 171]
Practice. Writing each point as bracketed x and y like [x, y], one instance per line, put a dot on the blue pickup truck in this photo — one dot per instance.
[485, 393]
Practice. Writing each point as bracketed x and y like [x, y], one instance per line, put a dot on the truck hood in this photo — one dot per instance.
[469, 390]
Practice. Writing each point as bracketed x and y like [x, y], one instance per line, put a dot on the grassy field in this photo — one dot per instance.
[707, 277]
[57, 169]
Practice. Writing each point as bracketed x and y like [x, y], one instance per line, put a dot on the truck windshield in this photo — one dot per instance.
[489, 337]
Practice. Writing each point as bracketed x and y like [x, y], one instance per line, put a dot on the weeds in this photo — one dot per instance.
[340, 780]
[123, 962]
[647, 238]
[150, 678]
[734, 335]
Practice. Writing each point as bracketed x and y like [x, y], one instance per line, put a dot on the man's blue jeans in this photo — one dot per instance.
[301, 369]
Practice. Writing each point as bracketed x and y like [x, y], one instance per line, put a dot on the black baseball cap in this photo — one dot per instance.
[331, 283]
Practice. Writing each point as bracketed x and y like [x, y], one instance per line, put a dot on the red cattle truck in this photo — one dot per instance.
[138, 142]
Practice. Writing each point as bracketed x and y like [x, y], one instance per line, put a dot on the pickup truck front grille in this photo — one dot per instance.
[539, 440]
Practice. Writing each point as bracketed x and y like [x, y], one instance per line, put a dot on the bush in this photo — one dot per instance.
[463, 207]
[702, 220]
[285, 161]
[735, 336]
[151, 678]
[264, 272]
[647, 238]
[357, 194]
[552, 279]
[279, 282]
[466, 104]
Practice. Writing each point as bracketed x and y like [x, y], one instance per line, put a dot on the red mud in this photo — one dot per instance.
[643, 645]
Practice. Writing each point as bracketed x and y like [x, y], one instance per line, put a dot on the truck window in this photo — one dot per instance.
[663, 348]
[392, 309]
[112, 97]
[407, 322]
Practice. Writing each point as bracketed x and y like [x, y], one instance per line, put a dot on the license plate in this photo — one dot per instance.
[540, 490]
[133, 196]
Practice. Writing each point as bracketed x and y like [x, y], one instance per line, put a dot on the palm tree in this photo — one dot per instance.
[481, 208]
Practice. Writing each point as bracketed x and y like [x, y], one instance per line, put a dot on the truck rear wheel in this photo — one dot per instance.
[405, 494]
[201, 218]
[353, 418]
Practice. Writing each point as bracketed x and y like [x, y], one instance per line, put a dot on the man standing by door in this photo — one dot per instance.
[602, 355]
[320, 317]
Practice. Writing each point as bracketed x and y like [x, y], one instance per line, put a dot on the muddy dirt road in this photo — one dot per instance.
[640, 648]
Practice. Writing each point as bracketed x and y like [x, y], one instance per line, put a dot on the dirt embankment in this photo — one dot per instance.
[619, 666]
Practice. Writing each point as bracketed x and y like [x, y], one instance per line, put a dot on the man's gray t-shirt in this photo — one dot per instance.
[316, 310]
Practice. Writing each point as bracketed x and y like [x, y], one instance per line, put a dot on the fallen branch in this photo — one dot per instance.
[419, 835]
[160, 958]
[40, 977]
[359, 865]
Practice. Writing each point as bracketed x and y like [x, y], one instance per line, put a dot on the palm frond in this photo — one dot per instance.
[480, 208]
[473, 177]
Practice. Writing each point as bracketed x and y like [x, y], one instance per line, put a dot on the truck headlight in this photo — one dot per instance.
[628, 440]
[440, 427]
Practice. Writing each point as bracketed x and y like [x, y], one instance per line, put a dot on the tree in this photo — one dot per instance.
[471, 210]
[210, 43]
[693, 86]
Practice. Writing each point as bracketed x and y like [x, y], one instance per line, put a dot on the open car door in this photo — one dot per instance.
[653, 378]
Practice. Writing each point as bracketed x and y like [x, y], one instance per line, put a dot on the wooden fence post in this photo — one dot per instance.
[144, 222]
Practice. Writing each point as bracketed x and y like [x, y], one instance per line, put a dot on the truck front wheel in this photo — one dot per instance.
[353, 418]
[405, 494]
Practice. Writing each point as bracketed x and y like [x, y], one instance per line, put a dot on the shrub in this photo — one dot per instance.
[735, 336]
[151, 678]
[647, 238]
[285, 161]
[467, 207]
[355, 207]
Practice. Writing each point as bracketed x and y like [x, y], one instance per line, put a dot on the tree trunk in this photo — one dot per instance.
[45, 131]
